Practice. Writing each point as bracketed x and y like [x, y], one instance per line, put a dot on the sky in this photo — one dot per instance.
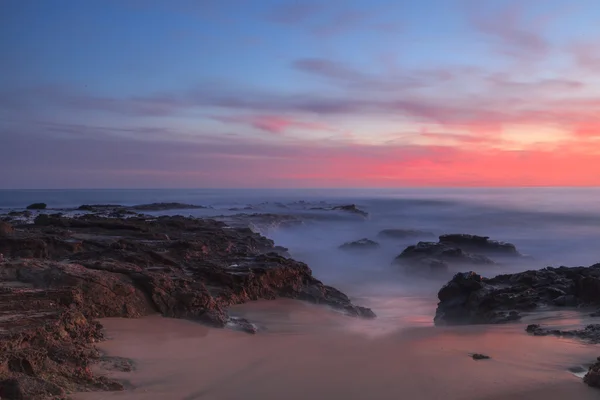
[299, 93]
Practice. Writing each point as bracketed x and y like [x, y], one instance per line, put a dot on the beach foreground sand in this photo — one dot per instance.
[309, 352]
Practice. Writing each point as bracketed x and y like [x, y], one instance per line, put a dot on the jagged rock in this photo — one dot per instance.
[362, 244]
[37, 206]
[479, 244]
[469, 298]
[351, 208]
[63, 272]
[403, 233]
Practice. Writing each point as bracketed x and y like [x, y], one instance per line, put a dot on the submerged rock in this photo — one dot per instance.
[470, 299]
[403, 233]
[478, 356]
[362, 244]
[479, 244]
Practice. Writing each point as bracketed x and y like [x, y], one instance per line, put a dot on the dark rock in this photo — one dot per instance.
[242, 324]
[351, 208]
[362, 244]
[11, 389]
[595, 314]
[592, 378]
[478, 356]
[590, 333]
[479, 244]
[468, 298]
[403, 233]
[37, 206]
[438, 255]
[165, 206]
[6, 229]
[64, 272]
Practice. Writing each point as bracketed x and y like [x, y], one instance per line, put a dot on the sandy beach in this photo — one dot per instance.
[309, 352]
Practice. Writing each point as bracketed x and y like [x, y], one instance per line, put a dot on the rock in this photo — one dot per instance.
[595, 313]
[478, 356]
[591, 333]
[592, 378]
[479, 244]
[37, 206]
[6, 229]
[403, 233]
[63, 272]
[431, 253]
[362, 244]
[469, 298]
[165, 206]
[351, 208]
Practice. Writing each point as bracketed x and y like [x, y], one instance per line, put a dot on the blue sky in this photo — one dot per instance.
[243, 80]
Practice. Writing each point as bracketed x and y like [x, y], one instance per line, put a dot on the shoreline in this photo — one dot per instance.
[184, 360]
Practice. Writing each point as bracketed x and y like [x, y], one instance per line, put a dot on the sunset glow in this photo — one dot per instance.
[299, 94]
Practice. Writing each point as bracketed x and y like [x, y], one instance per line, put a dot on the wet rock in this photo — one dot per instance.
[242, 324]
[478, 356]
[437, 256]
[64, 272]
[37, 206]
[469, 298]
[362, 244]
[351, 208]
[112, 363]
[590, 333]
[403, 233]
[479, 244]
[592, 378]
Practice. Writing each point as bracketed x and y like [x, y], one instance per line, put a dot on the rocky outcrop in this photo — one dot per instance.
[403, 234]
[437, 256]
[6, 229]
[470, 299]
[457, 249]
[479, 244]
[362, 244]
[61, 273]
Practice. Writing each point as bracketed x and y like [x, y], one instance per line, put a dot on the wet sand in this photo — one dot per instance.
[309, 352]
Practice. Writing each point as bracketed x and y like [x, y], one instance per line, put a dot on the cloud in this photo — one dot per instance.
[512, 35]
[274, 123]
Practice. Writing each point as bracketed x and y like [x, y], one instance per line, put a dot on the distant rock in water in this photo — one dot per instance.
[362, 244]
[437, 256]
[98, 207]
[470, 299]
[479, 244]
[351, 208]
[165, 206]
[37, 206]
[403, 233]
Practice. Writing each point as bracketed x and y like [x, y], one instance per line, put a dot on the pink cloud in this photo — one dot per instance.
[273, 123]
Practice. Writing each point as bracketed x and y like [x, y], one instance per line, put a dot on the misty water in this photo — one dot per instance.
[553, 226]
